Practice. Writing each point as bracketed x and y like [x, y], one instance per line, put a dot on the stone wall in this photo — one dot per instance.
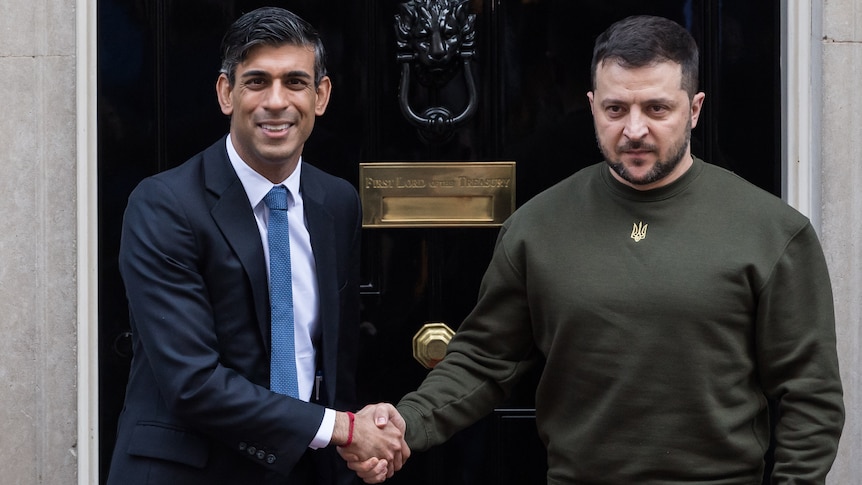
[841, 231]
[37, 243]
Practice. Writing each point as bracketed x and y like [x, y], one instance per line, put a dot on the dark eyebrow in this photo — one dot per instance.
[300, 74]
[610, 102]
[660, 101]
[648, 102]
[254, 73]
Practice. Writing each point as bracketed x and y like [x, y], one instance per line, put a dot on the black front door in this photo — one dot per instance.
[523, 100]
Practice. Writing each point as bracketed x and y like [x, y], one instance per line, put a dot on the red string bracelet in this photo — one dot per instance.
[351, 417]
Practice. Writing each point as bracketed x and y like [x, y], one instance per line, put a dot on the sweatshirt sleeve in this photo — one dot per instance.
[492, 349]
[798, 362]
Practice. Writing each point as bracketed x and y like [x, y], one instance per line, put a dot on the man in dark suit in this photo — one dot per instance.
[195, 260]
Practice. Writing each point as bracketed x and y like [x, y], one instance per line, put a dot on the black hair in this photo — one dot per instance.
[271, 26]
[643, 40]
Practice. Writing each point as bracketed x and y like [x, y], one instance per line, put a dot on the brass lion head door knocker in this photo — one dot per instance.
[435, 44]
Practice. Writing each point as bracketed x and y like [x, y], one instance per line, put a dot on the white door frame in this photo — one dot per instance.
[87, 243]
[800, 99]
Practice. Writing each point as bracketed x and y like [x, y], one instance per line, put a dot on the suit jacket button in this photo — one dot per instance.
[243, 445]
[270, 458]
[260, 454]
[251, 450]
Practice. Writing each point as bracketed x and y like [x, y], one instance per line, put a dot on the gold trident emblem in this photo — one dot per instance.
[639, 231]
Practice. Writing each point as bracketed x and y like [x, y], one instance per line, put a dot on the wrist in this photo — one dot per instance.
[343, 431]
[350, 424]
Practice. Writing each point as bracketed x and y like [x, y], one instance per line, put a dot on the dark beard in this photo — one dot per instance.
[660, 170]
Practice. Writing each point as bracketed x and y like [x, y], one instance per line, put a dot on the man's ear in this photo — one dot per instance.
[696, 106]
[223, 91]
[590, 97]
[324, 89]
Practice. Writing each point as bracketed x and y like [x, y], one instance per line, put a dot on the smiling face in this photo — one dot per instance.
[272, 104]
[643, 119]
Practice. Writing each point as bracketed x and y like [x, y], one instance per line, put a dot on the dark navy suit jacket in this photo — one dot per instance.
[198, 409]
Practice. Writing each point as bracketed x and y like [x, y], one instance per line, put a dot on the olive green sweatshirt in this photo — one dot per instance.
[665, 318]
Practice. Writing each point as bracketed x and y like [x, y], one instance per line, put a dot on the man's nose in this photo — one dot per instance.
[278, 96]
[636, 125]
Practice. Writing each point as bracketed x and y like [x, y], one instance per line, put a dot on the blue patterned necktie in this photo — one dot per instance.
[283, 360]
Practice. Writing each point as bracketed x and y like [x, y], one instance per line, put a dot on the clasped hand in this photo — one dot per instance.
[378, 448]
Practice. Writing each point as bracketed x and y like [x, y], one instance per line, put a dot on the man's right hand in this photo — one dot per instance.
[378, 449]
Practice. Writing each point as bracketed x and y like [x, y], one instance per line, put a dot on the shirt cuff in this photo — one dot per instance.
[324, 433]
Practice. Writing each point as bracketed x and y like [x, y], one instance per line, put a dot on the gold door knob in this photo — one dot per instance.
[430, 342]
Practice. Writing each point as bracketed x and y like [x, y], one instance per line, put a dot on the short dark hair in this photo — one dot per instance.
[270, 26]
[643, 40]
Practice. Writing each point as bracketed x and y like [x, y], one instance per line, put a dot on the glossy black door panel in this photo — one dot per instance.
[158, 62]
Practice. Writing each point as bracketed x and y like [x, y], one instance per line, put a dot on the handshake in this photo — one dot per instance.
[372, 441]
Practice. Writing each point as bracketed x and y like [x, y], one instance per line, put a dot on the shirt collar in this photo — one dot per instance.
[256, 185]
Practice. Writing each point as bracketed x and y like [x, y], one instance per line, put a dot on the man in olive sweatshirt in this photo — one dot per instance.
[669, 299]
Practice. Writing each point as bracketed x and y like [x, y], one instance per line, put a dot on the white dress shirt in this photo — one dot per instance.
[303, 275]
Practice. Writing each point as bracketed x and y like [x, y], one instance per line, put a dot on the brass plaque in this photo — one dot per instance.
[436, 194]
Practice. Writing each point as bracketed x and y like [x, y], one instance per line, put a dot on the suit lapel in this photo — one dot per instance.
[323, 244]
[235, 218]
